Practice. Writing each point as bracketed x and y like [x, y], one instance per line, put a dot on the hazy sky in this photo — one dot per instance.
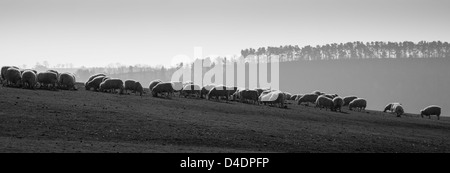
[100, 32]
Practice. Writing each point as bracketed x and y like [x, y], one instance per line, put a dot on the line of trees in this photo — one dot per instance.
[355, 50]
[350, 50]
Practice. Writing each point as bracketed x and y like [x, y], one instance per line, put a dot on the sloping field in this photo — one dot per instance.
[86, 121]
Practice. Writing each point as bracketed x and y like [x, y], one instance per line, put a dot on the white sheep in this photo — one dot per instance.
[273, 97]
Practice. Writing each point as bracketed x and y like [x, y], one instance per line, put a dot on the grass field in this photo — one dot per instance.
[87, 121]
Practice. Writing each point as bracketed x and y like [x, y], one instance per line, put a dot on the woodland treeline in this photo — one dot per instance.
[355, 50]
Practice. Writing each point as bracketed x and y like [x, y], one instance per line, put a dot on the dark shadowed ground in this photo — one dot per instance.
[83, 121]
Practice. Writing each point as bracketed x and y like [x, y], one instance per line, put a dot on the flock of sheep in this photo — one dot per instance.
[25, 78]
[12, 76]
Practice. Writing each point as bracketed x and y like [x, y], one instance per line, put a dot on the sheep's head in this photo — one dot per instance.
[87, 86]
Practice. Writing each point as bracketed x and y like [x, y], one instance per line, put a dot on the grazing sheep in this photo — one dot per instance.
[94, 83]
[112, 85]
[260, 91]
[47, 78]
[398, 109]
[130, 85]
[308, 98]
[431, 110]
[288, 95]
[190, 89]
[358, 103]
[13, 77]
[138, 88]
[205, 90]
[29, 79]
[273, 97]
[388, 107]
[106, 78]
[296, 97]
[293, 97]
[324, 102]
[153, 84]
[4, 69]
[217, 92]
[67, 81]
[94, 76]
[349, 99]
[231, 91]
[338, 103]
[249, 96]
[162, 87]
[237, 95]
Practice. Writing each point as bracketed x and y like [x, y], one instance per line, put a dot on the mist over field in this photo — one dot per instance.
[416, 83]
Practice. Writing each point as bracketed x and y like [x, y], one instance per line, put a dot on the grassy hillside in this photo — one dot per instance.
[83, 121]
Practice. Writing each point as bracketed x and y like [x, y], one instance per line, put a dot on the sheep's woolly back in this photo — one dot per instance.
[324, 101]
[431, 110]
[153, 84]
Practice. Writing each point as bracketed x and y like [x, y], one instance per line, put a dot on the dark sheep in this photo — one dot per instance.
[48, 78]
[153, 84]
[138, 89]
[190, 89]
[163, 87]
[94, 76]
[29, 79]
[130, 85]
[94, 83]
[308, 98]
[13, 77]
[67, 81]
[431, 110]
[217, 92]
[349, 99]
[112, 85]
[249, 96]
